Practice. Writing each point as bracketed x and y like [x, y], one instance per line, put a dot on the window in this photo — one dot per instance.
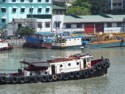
[19, 25]
[109, 24]
[39, 0]
[22, 10]
[39, 25]
[119, 24]
[114, 4]
[31, 9]
[47, 9]
[3, 9]
[14, 10]
[21, 0]
[47, 0]
[3, 20]
[30, 0]
[119, 4]
[57, 24]
[79, 25]
[13, 0]
[3, 0]
[39, 9]
[68, 25]
[47, 24]
[88, 59]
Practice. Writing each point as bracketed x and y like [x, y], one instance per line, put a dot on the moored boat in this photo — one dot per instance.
[5, 46]
[103, 41]
[67, 42]
[77, 66]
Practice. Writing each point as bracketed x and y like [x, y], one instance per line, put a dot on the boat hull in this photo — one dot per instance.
[81, 74]
[105, 45]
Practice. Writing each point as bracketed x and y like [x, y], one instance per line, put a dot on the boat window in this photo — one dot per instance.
[84, 62]
[69, 64]
[88, 59]
[61, 65]
[77, 63]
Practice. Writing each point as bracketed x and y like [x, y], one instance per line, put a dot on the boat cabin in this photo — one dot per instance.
[67, 41]
[55, 66]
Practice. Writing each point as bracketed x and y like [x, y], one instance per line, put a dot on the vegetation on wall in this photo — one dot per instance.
[25, 31]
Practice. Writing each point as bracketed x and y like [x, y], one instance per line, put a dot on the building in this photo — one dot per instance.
[80, 24]
[21, 9]
[117, 4]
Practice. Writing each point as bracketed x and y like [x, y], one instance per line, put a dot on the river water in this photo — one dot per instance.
[112, 83]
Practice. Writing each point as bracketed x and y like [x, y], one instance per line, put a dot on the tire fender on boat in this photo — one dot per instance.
[107, 64]
[65, 76]
[104, 65]
[44, 78]
[3, 79]
[31, 79]
[54, 77]
[71, 74]
[91, 71]
[22, 79]
[77, 74]
[59, 76]
[49, 78]
[98, 66]
[85, 73]
[38, 79]
[14, 79]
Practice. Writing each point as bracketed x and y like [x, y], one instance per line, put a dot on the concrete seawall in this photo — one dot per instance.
[16, 42]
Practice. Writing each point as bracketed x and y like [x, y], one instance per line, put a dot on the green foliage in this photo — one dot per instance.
[25, 31]
[85, 7]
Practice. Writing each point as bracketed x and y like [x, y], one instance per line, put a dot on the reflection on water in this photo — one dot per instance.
[113, 83]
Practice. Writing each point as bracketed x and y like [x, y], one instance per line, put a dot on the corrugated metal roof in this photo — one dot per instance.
[94, 18]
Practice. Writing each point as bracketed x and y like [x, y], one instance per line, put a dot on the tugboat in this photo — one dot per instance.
[5, 46]
[77, 66]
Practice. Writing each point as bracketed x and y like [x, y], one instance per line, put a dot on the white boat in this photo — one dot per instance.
[78, 66]
[67, 42]
[5, 45]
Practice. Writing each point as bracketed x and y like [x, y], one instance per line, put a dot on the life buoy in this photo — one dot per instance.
[38, 79]
[71, 74]
[65, 76]
[31, 79]
[59, 76]
[44, 78]
[77, 74]
[14, 80]
[98, 66]
[49, 78]
[3, 79]
[85, 73]
[54, 77]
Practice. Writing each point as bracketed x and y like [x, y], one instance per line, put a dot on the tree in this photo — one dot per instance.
[99, 6]
[86, 7]
[78, 8]
[25, 31]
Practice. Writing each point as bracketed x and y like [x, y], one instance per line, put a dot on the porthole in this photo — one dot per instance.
[69, 64]
[61, 65]
[77, 63]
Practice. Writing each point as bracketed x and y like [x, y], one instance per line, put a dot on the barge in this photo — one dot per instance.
[74, 67]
